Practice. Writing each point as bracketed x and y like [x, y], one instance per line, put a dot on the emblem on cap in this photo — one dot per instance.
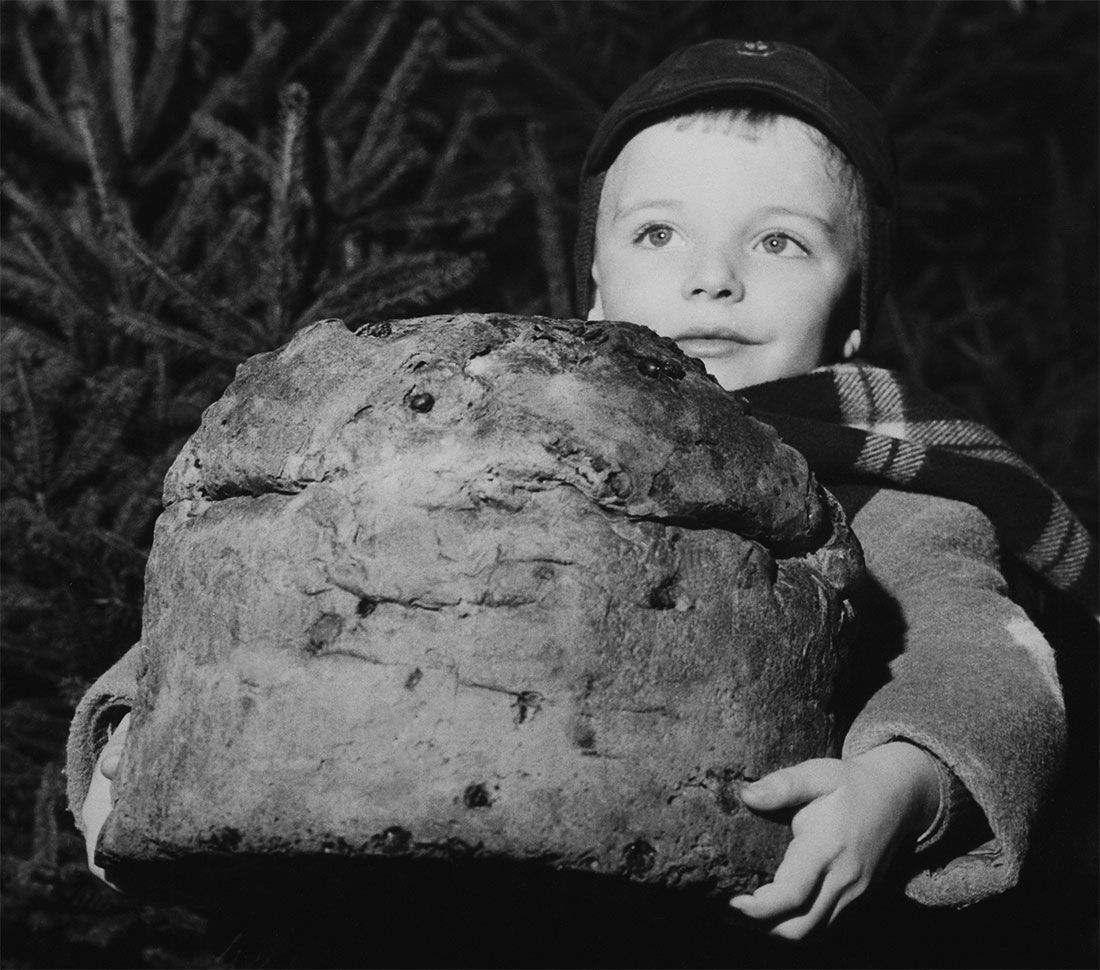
[758, 48]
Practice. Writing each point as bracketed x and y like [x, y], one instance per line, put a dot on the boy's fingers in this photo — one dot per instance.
[109, 764]
[796, 883]
[837, 893]
[825, 906]
[112, 753]
[792, 786]
[841, 886]
[96, 808]
[850, 894]
[772, 902]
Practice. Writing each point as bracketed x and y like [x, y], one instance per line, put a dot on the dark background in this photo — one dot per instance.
[184, 185]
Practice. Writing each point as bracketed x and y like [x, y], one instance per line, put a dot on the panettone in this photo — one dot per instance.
[507, 589]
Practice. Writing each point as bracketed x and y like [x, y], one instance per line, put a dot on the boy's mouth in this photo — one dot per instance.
[711, 342]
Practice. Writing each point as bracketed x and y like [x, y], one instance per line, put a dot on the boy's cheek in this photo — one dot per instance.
[629, 284]
[627, 303]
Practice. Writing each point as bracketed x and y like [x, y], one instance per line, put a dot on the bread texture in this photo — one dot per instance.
[487, 587]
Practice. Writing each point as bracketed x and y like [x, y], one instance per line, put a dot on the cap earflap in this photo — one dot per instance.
[584, 251]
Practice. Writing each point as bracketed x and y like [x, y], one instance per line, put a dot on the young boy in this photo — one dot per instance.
[737, 199]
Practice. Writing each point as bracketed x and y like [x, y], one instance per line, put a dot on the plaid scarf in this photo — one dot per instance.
[857, 422]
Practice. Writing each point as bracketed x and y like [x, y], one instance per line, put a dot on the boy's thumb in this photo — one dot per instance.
[794, 786]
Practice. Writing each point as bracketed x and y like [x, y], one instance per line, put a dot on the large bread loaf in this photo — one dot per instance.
[483, 586]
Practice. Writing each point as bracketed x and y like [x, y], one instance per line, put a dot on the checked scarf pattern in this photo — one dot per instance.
[853, 421]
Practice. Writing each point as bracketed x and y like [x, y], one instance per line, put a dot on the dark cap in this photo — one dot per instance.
[782, 76]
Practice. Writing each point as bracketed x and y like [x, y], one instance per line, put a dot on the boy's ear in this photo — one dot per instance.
[842, 337]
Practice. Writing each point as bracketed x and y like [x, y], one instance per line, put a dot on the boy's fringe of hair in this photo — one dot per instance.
[730, 120]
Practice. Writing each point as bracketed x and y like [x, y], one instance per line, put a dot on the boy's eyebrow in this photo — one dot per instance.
[830, 228]
[633, 207]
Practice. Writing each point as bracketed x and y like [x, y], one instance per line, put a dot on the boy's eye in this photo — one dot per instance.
[656, 236]
[780, 244]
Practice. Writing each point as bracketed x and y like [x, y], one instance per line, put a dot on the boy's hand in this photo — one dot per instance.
[853, 817]
[99, 800]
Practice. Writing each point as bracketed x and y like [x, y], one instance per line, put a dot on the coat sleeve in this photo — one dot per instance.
[974, 682]
[104, 704]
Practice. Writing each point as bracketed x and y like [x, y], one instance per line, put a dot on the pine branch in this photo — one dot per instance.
[106, 415]
[242, 223]
[397, 284]
[132, 517]
[66, 283]
[397, 159]
[239, 90]
[32, 732]
[60, 234]
[27, 287]
[33, 67]
[52, 136]
[540, 180]
[283, 274]
[80, 80]
[474, 216]
[148, 330]
[484, 32]
[338, 101]
[335, 170]
[168, 45]
[45, 852]
[33, 330]
[256, 78]
[34, 438]
[234, 145]
[121, 544]
[385, 121]
[473, 105]
[336, 29]
[187, 295]
[188, 213]
[79, 118]
[160, 386]
[121, 51]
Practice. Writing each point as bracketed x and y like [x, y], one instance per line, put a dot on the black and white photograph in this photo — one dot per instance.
[549, 483]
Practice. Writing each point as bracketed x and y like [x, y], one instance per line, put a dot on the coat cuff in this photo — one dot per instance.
[959, 864]
[101, 708]
[956, 811]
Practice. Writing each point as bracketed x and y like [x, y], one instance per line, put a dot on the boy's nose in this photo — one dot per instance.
[713, 276]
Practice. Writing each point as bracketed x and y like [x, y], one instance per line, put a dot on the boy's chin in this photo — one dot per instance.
[732, 376]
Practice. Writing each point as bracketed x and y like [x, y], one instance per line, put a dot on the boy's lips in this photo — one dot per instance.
[711, 342]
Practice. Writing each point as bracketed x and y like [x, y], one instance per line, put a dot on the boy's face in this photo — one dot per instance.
[735, 241]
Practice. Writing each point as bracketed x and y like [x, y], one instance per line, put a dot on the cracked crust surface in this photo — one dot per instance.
[517, 588]
[498, 406]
